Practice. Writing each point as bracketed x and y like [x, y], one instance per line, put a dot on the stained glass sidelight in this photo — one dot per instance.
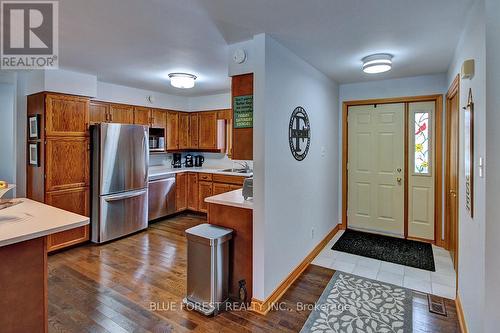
[421, 161]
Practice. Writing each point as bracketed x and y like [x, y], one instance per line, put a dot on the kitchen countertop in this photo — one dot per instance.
[31, 219]
[233, 199]
[159, 171]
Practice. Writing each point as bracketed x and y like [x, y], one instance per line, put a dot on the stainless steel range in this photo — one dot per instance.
[120, 159]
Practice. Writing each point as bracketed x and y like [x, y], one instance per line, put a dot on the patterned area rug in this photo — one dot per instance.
[353, 304]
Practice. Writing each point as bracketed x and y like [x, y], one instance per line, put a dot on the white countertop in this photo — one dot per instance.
[158, 171]
[233, 199]
[31, 219]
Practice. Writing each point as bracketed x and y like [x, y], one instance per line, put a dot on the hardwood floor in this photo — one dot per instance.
[136, 284]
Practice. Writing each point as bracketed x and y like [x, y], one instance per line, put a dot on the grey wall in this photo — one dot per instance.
[8, 131]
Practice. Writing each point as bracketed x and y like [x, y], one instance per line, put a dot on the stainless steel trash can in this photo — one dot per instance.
[207, 268]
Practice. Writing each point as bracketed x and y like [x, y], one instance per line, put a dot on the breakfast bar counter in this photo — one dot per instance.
[231, 211]
[24, 225]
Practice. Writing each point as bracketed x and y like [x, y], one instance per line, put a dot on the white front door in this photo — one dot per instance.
[376, 168]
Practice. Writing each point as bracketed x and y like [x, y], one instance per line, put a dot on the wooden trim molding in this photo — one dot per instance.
[263, 307]
[460, 314]
[438, 99]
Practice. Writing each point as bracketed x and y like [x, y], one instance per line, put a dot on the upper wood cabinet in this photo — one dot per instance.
[142, 116]
[172, 130]
[158, 118]
[66, 115]
[194, 129]
[207, 130]
[184, 130]
[67, 163]
[99, 112]
[121, 114]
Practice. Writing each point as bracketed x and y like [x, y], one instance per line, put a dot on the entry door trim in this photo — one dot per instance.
[438, 100]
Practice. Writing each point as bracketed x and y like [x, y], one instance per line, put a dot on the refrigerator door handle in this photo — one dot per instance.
[125, 196]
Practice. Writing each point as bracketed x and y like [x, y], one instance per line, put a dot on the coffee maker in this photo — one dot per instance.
[198, 160]
[176, 160]
[189, 161]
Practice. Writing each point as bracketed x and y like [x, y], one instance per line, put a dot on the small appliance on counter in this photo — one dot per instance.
[156, 139]
[189, 161]
[198, 161]
[247, 188]
[176, 160]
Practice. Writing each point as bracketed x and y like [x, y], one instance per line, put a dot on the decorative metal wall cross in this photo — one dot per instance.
[299, 133]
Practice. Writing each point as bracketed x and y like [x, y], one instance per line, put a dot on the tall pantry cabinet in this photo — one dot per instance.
[61, 176]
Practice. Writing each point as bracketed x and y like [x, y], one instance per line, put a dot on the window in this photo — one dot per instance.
[421, 158]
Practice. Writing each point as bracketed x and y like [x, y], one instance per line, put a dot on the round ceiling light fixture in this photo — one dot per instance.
[377, 63]
[182, 80]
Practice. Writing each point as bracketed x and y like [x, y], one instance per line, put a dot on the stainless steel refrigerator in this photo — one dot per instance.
[120, 159]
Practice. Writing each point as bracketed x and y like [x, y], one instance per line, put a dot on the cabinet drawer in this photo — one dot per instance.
[67, 238]
[205, 176]
[235, 180]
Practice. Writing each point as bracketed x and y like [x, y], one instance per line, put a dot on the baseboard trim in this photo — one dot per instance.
[460, 315]
[263, 307]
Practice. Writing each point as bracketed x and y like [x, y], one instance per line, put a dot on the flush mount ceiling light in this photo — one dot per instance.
[182, 80]
[377, 63]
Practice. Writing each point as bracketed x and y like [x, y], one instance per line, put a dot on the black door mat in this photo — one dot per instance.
[385, 248]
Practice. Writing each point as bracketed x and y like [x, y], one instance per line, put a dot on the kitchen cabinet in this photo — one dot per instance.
[192, 185]
[98, 112]
[121, 114]
[172, 130]
[67, 163]
[158, 118]
[207, 122]
[181, 191]
[142, 116]
[184, 130]
[219, 188]
[204, 191]
[62, 176]
[194, 131]
[66, 115]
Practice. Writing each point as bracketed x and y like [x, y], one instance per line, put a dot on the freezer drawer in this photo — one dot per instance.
[121, 214]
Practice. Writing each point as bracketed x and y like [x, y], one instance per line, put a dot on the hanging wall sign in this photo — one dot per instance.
[243, 111]
[299, 133]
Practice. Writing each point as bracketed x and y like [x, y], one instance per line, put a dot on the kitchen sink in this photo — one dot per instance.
[237, 170]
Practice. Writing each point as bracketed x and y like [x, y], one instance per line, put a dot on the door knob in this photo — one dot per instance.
[453, 193]
[399, 179]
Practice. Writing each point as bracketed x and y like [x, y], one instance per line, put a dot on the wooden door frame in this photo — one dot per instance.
[453, 91]
[438, 146]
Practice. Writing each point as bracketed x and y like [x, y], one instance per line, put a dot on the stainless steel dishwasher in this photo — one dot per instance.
[161, 196]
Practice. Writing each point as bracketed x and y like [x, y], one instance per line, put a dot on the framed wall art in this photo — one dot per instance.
[34, 127]
[34, 154]
[469, 154]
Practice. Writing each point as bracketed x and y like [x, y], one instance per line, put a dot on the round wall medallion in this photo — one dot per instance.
[299, 133]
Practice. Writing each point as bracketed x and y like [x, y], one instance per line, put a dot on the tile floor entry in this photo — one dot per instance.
[440, 283]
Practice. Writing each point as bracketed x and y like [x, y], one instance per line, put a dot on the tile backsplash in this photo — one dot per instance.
[212, 160]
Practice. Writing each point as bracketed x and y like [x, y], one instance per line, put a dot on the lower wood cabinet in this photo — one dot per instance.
[192, 184]
[74, 200]
[204, 190]
[181, 192]
[219, 188]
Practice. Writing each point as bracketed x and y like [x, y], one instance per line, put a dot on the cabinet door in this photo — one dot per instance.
[66, 115]
[234, 187]
[66, 163]
[219, 188]
[205, 191]
[194, 131]
[158, 118]
[172, 130]
[121, 114]
[183, 130]
[192, 184]
[98, 112]
[208, 130]
[142, 116]
[75, 201]
[181, 189]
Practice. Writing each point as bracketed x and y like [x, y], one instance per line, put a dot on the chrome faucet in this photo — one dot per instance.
[244, 165]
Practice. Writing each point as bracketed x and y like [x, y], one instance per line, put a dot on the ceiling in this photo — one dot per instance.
[137, 43]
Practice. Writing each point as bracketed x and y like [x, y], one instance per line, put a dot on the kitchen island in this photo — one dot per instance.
[24, 225]
[230, 210]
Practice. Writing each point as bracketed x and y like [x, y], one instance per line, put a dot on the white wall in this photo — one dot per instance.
[291, 197]
[210, 102]
[8, 132]
[471, 257]
[69, 82]
[492, 261]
